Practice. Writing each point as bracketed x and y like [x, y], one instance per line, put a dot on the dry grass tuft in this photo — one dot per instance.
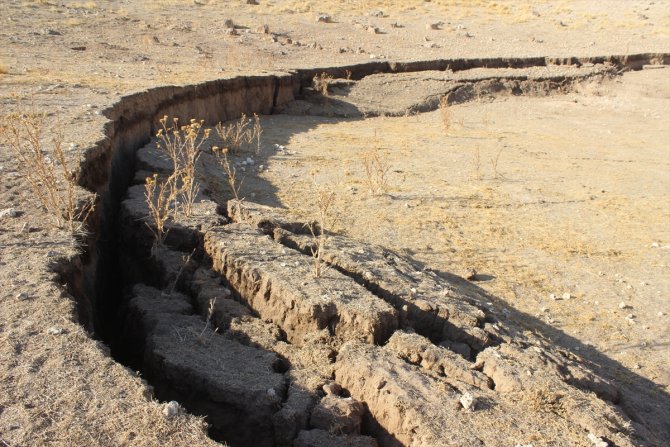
[161, 197]
[377, 168]
[51, 174]
[325, 200]
[321, 83]
[444, 113]
[241, 135]
[183, 145]
[234, 182]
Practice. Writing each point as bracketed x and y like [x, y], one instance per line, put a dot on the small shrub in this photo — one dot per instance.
[241, 134]
[183, 144]
[377, 168]
[321, 83]
[160, 197]
[444, 113]
[51, 176]
[318, 228]
[234, 183]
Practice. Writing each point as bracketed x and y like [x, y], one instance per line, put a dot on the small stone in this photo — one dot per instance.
[623, 305]
[252, 2]
[544, 309]
[8, 212]
[553, 297]
[637, 366]
[468, 401]
[434, 25]
[661, 314]
[324, 18]
[54, 331]
[372, 30]
[229, 24]
[597, 441]
[263, 29]
[567, 296]
[171, 409]
[22, 296]
[376, 13]
[470, 274]
[655, 245]
[332, 388]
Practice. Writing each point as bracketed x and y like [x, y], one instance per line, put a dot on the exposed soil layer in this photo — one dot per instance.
[229, 318]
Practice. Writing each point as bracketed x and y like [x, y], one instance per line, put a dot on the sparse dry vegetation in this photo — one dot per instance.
[324, 220]
[321, 82]
[183, 145]
[445, 116]
[234, 183]
[377, 168]
[241, 135]
[161, 197]
[51, 174]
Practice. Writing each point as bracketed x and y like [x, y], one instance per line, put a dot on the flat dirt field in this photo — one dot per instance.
[417, 223]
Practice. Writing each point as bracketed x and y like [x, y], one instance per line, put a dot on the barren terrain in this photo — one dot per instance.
[524, 146]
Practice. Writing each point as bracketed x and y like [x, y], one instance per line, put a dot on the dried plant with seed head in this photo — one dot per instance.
[321, 82]
[241, 134]
[234, 183]
[377, 168]
[183, 145]
[325, 199]
[48, 170]
[160, 197]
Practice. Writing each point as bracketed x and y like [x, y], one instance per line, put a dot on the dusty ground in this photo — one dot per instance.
[581, 205]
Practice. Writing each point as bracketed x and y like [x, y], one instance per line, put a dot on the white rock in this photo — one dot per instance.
[323, 18]
[567, 296]
[597, 441]
[8, 212]
[468, 401]
[171, 409]
[623, 305]
[553, 297]
[54, 331]
[655, 245]
[661, 314]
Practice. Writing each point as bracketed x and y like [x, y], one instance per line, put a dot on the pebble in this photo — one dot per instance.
[8, 212]
[655, 245]
[22, 296]
[54, 331]
[567, 296]
[171, 409]
[324, 18]
[661, 314]
[468, 401]
[332, 388]
[596, 441]
[623, 305]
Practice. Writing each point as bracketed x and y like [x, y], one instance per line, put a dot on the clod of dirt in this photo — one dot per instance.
[338, 415]
[279, 284]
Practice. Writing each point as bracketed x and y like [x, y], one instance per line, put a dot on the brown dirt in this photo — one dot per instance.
[577, 203]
